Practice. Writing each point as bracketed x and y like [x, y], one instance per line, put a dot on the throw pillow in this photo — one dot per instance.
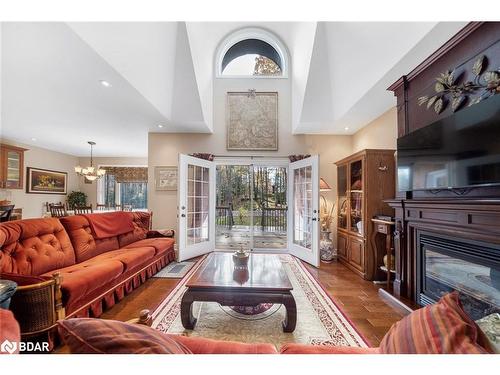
[99, 336]
[441, 328]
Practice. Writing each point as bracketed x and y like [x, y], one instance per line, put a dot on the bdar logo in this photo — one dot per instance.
[8, 346]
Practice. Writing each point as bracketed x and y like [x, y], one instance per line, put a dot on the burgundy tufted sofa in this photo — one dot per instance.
[93, 273]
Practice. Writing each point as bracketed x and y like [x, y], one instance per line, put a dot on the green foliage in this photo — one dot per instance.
[242, 214]
[77, 198]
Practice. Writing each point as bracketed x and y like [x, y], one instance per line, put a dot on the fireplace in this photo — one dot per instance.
[446, 263]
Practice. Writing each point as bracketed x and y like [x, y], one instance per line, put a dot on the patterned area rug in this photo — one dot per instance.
[319, 320]
[175, 270]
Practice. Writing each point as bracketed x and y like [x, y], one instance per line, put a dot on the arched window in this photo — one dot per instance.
[251, 53]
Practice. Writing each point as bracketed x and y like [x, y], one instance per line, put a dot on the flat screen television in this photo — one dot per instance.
[459, 151]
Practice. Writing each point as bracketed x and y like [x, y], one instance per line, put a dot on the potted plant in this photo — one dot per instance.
[76, 199]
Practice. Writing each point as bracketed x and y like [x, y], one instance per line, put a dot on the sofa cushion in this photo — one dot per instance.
[86, 247]
[131, 258]
[99, 336]
[140, 221]
[201, 345]
[293, 348]
[440, 328]
[81, 279]
[34, 246]
[161, 245]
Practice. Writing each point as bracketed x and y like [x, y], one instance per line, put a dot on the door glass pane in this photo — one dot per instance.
[197, 204]
[13, 161]
[302, 215]
[342, 191]
[270, 208]
[233, 207]
[356, 197]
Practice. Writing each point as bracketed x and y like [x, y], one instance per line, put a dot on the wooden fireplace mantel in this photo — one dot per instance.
[472, 214]
[473, 219]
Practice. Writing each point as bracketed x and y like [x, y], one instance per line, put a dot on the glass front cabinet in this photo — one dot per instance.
[364, 180]
[11, 167]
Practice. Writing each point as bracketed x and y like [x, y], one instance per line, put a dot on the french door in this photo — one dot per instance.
[303, 187]
[196, 207]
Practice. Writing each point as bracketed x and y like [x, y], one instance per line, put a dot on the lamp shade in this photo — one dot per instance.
[323, 186]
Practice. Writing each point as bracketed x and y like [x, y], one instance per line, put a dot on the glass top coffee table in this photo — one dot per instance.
[264, 280]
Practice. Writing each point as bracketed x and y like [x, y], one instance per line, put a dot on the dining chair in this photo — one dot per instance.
[6, 212]
[127, 207]
[58, 210]
[81, 210]
[100, 207]
[118, 207]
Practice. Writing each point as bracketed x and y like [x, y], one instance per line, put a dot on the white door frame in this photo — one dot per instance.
[312, 255]
[193, 250]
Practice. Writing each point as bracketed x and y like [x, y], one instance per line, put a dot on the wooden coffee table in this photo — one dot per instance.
[218, 280]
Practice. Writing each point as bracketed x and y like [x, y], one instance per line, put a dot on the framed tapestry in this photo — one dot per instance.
[252, 121]
[166, 178]
[45, 181]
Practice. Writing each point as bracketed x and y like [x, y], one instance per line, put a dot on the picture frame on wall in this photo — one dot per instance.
[166, 178]
[46, 181]
[252, 121]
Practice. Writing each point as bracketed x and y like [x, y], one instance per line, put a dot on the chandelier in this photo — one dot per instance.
[90, 173]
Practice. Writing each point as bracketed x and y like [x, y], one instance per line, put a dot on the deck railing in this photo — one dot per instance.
[225, 216]
[274, 219]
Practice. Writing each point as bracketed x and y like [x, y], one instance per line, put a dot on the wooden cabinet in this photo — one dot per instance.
[11, 167]
[364, 180]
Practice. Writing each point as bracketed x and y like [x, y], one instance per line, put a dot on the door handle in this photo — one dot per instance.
[314, 219]
[183, 215]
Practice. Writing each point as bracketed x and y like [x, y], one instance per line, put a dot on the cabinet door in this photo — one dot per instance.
[13, 168]
[356, 252]
[342, 245]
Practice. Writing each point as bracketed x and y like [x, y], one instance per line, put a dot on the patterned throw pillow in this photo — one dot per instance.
[441, 328]
[490, 325]
[100, 336]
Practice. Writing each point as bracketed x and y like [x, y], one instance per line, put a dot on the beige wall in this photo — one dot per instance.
[91, 189]
[381, 133]
[33, 204]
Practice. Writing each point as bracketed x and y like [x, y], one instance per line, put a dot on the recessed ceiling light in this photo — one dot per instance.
[160, 126]
[33, 139]
[105, 83]
[346, 128]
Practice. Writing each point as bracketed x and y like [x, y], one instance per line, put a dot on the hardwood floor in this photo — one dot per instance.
[358, 298]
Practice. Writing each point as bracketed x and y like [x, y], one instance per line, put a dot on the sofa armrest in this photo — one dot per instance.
[200, 345]
[169, 233]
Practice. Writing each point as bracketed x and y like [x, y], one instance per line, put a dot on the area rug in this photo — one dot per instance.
[175, 270]
[319, 320]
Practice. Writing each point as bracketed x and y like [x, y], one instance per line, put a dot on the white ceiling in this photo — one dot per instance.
[163, 73]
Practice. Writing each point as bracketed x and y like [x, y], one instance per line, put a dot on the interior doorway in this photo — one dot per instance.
[251, 204]
[258, 204]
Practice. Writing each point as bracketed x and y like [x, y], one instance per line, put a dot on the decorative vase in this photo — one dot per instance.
[327, 252]
[393, 262]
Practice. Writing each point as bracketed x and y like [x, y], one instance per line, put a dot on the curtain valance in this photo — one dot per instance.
[128, 174]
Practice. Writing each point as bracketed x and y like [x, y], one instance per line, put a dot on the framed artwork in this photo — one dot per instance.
[252, 121]
[45, 181]
[166, 178]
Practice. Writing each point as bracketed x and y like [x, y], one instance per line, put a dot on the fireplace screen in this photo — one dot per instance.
[444, 270]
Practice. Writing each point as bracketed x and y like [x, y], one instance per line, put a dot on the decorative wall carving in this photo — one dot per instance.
[448, 89]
